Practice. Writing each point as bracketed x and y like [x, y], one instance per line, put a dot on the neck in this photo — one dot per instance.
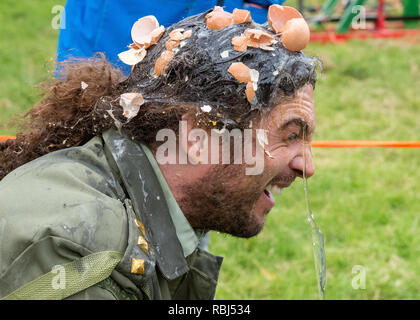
[179, 177]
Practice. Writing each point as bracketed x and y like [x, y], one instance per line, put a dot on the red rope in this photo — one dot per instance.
[365, 144]
[338, 143]
[4, 138]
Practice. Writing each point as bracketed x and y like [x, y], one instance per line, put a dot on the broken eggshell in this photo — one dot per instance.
[83, 85]
[176, 34]
[177, 37]
[254, 38]
[187, 34]
[240, 43]
[170, 44]
[296, 34]
[249, 91]
[131, 103]
[266, 48]
[252, 85]
[240, 71]
[180, 34]
[244, 74]
[218, 19]
[278, 16]
[262, 138]
[257, 38]
[135, 46]
[156, 35]
[146, 31]
[132, 56]
[269, 154]
[289, 22]
[206, 108]
[240, 16]
[162, 62]
[225, 54]
[254, 74]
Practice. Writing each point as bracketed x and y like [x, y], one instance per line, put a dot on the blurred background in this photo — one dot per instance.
[365, 200]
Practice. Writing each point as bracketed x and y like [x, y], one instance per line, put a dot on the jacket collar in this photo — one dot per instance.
[147, 197]
[188, 237]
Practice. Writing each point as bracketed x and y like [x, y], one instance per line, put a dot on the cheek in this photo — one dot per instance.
[282, 157]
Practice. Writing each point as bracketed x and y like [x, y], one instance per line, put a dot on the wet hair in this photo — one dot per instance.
[69, 115]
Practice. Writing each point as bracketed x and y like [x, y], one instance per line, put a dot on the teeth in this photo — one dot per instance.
[274, 189]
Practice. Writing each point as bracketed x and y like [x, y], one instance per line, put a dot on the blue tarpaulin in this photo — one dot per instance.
[105, 25]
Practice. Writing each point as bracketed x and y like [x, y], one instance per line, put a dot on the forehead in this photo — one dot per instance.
[300, 107]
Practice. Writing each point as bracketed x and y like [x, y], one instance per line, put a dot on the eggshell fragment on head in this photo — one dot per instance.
[177, 38]
[206, 108]
[83, 85]
[157, 34]
[131, 103]
[218, 19]
[225, 54]
[132, 56]
[146, 31]
[180, 34]
[296, 34]
[135, 46]
[240, 16]
[163, 61]
[255, 38]
[186, 34]
[266, 48]
[262, 138]
[254, 74]
[240, 43]
[170, 44]
[249, 91]
[258, 37]
[289, 22]
[176, 34]
[278, 16]
[240, 71]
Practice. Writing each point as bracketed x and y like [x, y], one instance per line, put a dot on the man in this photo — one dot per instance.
[103, 212]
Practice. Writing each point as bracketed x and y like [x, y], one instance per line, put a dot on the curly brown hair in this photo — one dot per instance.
[69, 115]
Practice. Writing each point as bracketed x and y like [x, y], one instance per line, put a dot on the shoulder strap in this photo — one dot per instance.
[70, 278]
[146, 194]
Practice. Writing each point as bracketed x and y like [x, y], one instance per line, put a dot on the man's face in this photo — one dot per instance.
[228, 200]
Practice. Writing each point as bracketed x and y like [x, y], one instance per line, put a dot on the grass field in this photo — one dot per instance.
[365, 201]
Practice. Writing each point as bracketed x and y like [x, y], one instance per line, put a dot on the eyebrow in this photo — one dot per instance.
[301, 123]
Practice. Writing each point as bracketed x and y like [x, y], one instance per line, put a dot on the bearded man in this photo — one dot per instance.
[90, 208]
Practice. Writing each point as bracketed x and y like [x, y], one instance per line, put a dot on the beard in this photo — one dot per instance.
[224, 201]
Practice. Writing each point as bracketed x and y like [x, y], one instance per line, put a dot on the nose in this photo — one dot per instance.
[297, 164]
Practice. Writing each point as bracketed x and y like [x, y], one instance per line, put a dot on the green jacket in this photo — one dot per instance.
[98, 222]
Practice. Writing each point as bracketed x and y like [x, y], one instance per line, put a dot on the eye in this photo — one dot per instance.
[292, 137]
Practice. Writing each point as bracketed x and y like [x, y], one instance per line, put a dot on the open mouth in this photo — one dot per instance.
[276, 186]
[273, 189]
[268, 195]
[270, 190]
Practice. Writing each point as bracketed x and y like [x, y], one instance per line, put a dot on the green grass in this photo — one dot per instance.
[365, 200]
[28, 44]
